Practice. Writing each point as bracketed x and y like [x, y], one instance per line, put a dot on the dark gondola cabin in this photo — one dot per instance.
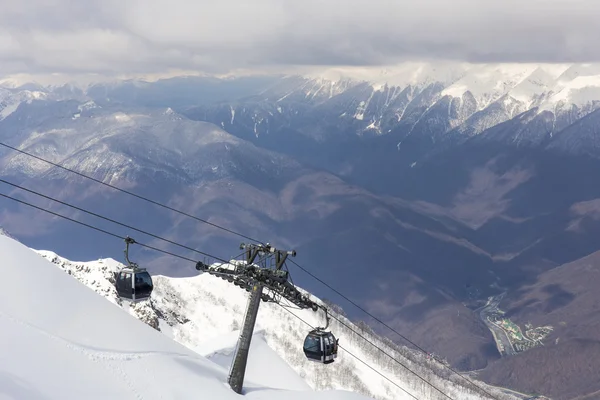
[134, 284]
[320, 346]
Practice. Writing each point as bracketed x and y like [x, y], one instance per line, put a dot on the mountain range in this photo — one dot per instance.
[418, 191]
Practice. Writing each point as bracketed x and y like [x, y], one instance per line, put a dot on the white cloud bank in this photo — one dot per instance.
[149, 36]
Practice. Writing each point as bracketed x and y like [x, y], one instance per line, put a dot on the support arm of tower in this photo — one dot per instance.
[252, 250]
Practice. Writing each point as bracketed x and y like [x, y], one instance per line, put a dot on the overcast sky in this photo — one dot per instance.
[123, 36]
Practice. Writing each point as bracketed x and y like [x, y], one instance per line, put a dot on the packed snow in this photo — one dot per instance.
[205, 313]
[60, 340]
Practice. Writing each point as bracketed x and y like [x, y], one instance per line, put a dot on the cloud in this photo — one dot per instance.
[110, 36]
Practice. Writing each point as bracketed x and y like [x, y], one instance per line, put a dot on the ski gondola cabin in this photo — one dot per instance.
[134, 284]
[320, 346]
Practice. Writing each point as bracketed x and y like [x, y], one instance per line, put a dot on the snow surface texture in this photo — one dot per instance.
[205, 313]
[60, 340]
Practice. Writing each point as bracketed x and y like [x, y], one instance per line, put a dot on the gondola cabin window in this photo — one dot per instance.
[312, 344]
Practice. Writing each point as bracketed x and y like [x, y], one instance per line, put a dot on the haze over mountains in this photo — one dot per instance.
[417, 191]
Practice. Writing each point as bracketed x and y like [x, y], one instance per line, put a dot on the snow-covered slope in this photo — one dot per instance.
[116, 145]
[4, 233]
[11, 99]
[60, 340]
[486, 82]
[432, 101]
[204, 313]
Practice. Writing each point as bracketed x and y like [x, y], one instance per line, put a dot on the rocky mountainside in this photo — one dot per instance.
[412, 107]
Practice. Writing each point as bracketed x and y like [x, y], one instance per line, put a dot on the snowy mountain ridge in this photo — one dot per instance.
[195, 311]
[576, 84]
[11, 99]
[466, 90]
[486, 82]
[160, 142]
[422, 99]
[430, 104]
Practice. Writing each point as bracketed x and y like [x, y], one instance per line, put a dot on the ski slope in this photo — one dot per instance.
[204, 313]
[60, 340]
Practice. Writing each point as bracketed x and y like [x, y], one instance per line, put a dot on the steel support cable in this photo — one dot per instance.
[131, 193]
[188, 259]
[387, 354]
[255, 240]
[98, 229]
[356, 357]
[108, 219]
[390, 328]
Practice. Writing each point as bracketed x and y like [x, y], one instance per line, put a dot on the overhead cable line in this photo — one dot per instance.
[188, 259]
[255, 240]
[131, 193]
[389, 327]
[389, 355]
[99, 229]
[358, 358]
[109, 219]
[385, 353]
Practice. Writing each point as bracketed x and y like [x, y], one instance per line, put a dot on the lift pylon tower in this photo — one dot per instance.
[261, 274]
[240, 359]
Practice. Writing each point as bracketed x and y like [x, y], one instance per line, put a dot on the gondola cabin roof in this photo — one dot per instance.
[131, 270]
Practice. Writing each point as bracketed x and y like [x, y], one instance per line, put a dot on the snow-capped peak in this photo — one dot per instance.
[580, 90]
[571, 83]
[11, 99]
[487, 83]
[410, 73]
[467, 97]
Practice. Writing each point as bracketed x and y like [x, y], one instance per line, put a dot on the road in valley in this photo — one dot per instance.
[500, 336]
